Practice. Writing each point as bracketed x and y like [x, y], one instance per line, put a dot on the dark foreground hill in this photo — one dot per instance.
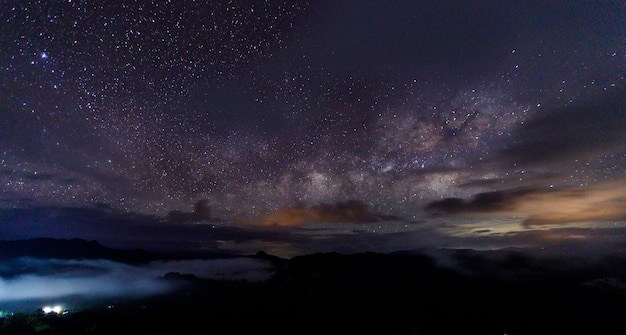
[367, 293]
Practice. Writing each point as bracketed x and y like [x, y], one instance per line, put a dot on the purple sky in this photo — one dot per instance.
[323, 125]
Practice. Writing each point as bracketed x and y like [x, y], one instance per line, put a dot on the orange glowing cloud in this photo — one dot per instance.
[603, 202]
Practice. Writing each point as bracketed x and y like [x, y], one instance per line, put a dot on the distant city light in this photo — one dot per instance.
[56, 309]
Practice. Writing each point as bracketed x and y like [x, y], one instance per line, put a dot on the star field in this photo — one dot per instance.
[261, 105]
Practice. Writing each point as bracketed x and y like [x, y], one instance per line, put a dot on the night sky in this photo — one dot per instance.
[296, 126]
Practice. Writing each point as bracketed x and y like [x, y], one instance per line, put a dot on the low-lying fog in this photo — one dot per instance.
[26, 283]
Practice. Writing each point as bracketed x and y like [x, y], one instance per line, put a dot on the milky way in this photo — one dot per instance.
[148, 107]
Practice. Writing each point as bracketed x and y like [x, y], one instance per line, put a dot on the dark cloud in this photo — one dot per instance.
[348, 211]
[495, 201]
[103, 206]
[178, 216]
[353, 211]
[32, 176]
[495, 183]
[599, 203]
[577, 131]
[201, 212]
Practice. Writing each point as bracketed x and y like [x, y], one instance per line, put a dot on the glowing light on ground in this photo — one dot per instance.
[52, 309]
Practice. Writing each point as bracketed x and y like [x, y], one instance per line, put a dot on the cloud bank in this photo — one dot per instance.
[39, 279]
[603, 202]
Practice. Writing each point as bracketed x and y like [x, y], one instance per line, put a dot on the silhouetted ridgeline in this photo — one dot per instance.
[71, 249]
[499, 292]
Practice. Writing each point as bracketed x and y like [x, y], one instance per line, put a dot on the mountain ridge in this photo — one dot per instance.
[43, 247]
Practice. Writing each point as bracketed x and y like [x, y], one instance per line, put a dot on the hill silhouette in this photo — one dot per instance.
[490, 292]
[72, 249]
